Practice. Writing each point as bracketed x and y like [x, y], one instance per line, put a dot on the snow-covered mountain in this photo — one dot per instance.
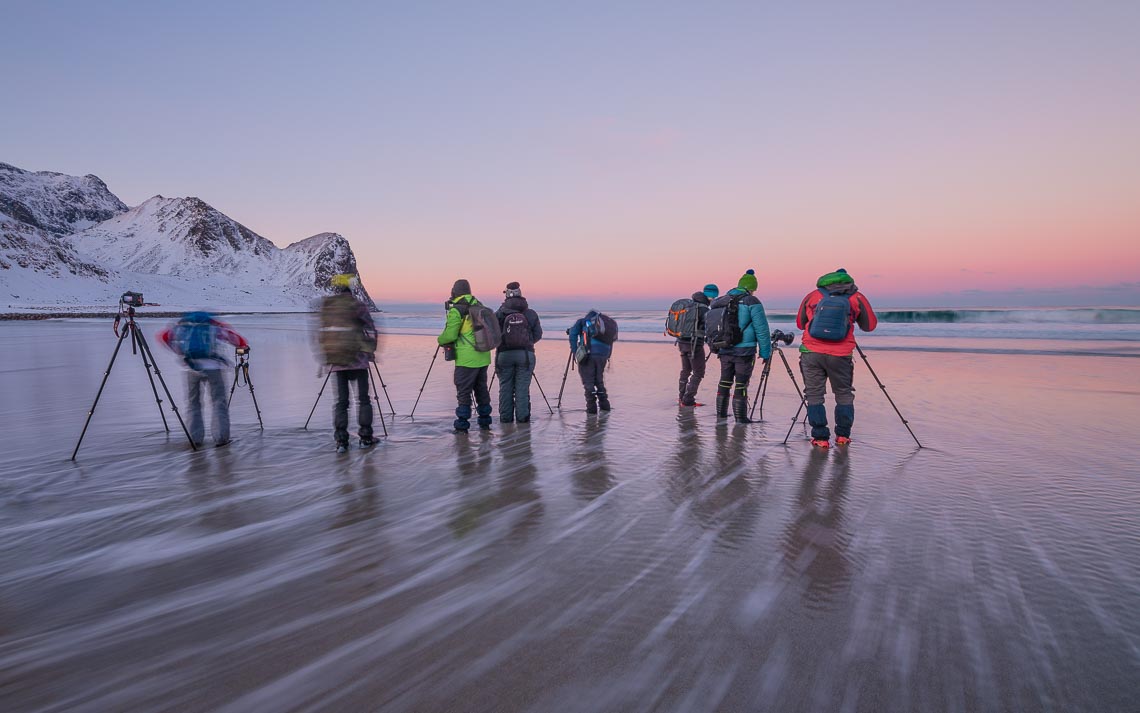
[68, 241]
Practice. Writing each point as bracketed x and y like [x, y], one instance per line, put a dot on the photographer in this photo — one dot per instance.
[348, 342]
[738, 359]
[828, 315]
[458, 337]
[195, 337]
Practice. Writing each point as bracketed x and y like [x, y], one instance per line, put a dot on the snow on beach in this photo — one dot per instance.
[650, 559]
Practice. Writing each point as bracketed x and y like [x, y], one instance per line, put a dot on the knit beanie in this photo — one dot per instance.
[460, 288]
[711, 291]
[748, 281]
[513, 290]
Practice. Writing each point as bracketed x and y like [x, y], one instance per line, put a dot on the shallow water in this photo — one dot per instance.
[642, 560]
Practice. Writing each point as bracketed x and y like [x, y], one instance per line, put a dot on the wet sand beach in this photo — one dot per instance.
[649, 559]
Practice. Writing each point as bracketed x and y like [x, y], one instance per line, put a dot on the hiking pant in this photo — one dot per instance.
[592, 370]
[468, 381]
[735, 373]
[692, 370]
[215, 381]
[514, 367]
[364, 404]
[817, 370]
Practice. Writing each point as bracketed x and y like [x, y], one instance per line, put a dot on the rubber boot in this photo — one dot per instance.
[462, 418]
[817, 417]
[722, 405]
[740, 408]
[844, 419]
[603, 401]
[591, 402]
[484, 416]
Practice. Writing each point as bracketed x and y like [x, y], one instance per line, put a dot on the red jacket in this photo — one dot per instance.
[861, 314]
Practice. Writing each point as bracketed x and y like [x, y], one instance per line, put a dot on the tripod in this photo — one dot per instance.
[138, 346]
[241, 371]
[379, 408]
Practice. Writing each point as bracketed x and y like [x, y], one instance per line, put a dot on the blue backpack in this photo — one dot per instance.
[831, 320]
[196, 336]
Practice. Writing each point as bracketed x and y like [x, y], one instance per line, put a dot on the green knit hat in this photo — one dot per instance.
[748, 281]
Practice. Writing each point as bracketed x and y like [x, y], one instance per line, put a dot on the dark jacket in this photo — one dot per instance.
[367, 327]
[512, 305]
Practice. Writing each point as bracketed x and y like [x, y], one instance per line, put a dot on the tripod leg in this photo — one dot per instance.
[391, 408]
[251, 394]
[310, 418]
[803, 401]
[433, 358]
[884, 388]
[564, 375]
[230, 400]
[379, 408]
[137, 337]
[539, 385]
[173, 406]
[99, 393]
[761, 387]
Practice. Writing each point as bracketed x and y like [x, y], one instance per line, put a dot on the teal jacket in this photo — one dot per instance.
[460, 332]
[754, 323]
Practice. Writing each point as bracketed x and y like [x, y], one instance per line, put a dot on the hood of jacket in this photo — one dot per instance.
[700, 298]
[514, 304]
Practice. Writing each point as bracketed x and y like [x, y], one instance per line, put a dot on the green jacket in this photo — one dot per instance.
[459, 331]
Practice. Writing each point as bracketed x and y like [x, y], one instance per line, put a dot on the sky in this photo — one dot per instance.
[945, 154]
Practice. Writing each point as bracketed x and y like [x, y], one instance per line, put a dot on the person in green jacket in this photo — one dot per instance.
[470, 365]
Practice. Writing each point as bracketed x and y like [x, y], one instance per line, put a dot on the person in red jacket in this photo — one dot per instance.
[828, 315]
[197, 338]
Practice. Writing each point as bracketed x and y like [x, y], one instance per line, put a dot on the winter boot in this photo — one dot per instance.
[722, 405]
[844, 419]
[740, 408]
[603, 401]
[817, 417]
[591, 402]
[484, 416]
[462, 419]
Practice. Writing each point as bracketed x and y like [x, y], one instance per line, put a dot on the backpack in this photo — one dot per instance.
[516, 331]
[683, 320]
[831, 318]
[603, 328]
[484, 324]
[196, 336]
[722, 323]
[341, 337]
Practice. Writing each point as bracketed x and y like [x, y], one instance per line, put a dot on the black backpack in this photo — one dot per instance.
[516, 332]
[684, 320]
[603, 328]
[831, 318]
[722, 323]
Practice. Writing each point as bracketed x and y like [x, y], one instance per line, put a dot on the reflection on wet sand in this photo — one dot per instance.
[815, 542]
[591, 472]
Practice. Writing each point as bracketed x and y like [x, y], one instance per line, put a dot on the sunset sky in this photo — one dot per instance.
[945, 154]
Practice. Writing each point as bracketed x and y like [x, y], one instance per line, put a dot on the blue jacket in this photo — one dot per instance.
[754, 323]
[577, 333]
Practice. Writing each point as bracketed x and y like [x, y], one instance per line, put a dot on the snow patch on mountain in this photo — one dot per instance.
[54, 201]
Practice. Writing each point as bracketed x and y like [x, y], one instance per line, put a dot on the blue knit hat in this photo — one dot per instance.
[711, 291]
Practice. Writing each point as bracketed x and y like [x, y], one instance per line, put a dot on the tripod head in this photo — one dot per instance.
[785, 337]
[242, 355]
[127, 303]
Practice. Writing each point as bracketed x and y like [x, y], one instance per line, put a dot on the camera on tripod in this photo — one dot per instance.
[241, 351]
[786, 338]
[132, 299]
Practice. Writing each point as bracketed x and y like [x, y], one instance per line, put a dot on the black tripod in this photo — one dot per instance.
[138, 346]
[379, 408]
[241, 371]
[762, 389]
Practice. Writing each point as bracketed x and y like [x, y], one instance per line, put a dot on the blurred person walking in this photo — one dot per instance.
[736, 325]
[348, 344]
[591, 344]
[515, 359]
[686, 322]
[828, 315]
[196, 337]
[473, 331]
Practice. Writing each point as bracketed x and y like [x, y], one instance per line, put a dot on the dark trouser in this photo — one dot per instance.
[364, 404]
[514, 367]
[215, 381]
[468, 381]
[735, 372]
[692, 370]
[817, 370]
[592, 371]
